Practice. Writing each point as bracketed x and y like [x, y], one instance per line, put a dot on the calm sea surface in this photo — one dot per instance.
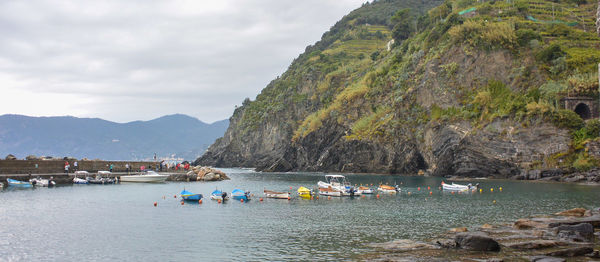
[119, 222]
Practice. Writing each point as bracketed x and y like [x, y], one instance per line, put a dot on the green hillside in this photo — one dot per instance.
[490, 67]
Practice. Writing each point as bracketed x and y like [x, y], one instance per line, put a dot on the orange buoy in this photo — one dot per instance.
[242, 200]
[371, 184]
[363, 196]
[328, 198]
[311, 198]
[182, 203]
[418, 188]
[452, 192]
[155, 204]
[219, 201]
[260, 199]
[290, 188]
[430, 193]
[174, 196]
[408, 193]
[289, 198]
[428, 188]
[377, 195]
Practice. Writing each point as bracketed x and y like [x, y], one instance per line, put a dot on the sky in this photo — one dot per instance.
[141, 59]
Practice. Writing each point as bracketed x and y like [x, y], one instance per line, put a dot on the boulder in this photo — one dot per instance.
[572, 252]
[458, 229]
[401, 245]
[536, 244]
[476, 241]
[210, 177]
[576, 212]
[445, 243]
[583, 232]
[527, 224]
[575, 178]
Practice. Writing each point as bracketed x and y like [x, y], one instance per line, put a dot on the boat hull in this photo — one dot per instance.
[192, 197]
[277, 195]
[17, 183]
[218, 197]
[330, 192]
[144, 178]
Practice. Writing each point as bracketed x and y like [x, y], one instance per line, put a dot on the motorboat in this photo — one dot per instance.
[303, 191]
[330, 191]
[365, 190]
[38, 181]
[339, 182]
[219, 195]
[388, 189]
[278, 195]
[17, 183]
[458, 187]
[101, 179]
[148, 176]
[239, 194]
[84, 174]
[189, 196]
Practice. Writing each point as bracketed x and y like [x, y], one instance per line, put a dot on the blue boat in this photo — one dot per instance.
[187, 195]
[239, 194]
[219, 195]
[17, 183]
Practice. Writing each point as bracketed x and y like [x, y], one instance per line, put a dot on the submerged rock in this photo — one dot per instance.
[572, 252]
[583, 232]
[576, 212]
[536, 244]
[404, 245]
[476, 241]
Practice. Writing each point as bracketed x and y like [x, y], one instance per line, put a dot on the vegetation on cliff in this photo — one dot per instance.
[461, 61]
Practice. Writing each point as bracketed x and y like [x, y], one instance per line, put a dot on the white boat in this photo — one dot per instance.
[458, 187]
[330, 192]
[339, 183]
[388, 189]
[278, 195]
[77, 180]
[42, 182]
[146, 177]
[365, 190]
[219, 195]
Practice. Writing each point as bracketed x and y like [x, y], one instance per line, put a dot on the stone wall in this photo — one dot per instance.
[57, 166]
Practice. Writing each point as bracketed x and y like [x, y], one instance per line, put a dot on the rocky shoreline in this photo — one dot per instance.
[571, 235]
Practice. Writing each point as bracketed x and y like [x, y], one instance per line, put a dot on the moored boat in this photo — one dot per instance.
[303, 191]
[100, 179]
[239, 194]
[278, 195]
[84, 174]
[219, 195]
[145, 177]
[388, 189]
[365, 190]
[339, 183]
[17, 183]
[38, 181]
[458, 187]
[189, 196]
[330, 191]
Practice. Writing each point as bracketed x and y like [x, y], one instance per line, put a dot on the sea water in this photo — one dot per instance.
[120, 222]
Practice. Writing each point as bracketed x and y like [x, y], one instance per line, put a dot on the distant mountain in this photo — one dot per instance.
[179, 136]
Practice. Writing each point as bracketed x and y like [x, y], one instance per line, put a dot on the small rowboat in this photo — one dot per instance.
[189, 196]
[219, 195]
[278, 195]
[330, 192]
[458, 187]
[42, 182]
[77, 180]
[17, 183]
[365, 190]
[239, 194]
[387, 189]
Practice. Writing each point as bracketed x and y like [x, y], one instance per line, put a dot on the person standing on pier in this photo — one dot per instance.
[127, 168]
[66, 168]
[111, 167]
[75, 166]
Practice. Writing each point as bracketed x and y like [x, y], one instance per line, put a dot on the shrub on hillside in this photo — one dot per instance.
[567, 119]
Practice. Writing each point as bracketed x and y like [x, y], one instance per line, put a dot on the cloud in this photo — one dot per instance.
[137, 60]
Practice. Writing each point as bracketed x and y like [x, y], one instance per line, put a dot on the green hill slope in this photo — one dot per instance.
[468, 88]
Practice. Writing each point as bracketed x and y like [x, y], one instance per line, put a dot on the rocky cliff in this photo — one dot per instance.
[458, 93]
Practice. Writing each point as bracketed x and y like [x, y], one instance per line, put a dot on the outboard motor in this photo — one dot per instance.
[351, 191]
[224, 195]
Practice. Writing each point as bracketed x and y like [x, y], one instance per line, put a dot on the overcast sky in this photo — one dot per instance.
[141, 59]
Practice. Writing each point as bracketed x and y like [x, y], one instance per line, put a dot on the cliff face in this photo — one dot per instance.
[469, 96]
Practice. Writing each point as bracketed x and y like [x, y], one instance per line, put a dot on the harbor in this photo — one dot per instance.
[325, 229]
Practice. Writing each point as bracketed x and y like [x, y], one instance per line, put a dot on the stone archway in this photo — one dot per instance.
[583, 111]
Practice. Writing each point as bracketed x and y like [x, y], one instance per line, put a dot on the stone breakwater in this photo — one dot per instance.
[200, 173]
[571, 235]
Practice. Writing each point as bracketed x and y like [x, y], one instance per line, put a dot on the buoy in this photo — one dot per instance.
[200, 201]
[317, 197]
[480, 191]
[289, 198]
[290, 188]
[219, 201]
[492, 189]
[430, 193]
[242, 200]
[363, 196]
[155, 204]
[328, 198]
[500, 189]
[174, 196]
[377, 195]
[494, 201]
[252, 195]
[371, 184]
[452, 192]
[408, 193]
[311, 197]
[418, 188]
[260, 199]
[428, 188]
[182, 203]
